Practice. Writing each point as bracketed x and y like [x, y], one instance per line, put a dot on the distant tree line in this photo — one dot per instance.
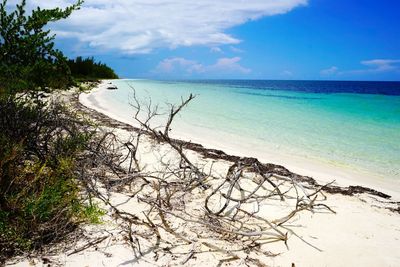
[88, 68]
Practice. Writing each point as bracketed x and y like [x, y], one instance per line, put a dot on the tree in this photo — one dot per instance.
[89, 69]
[28, 58]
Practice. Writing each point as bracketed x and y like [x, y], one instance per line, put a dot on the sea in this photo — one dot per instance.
[347, 124]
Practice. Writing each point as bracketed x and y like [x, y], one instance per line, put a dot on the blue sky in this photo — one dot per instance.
[253, 39]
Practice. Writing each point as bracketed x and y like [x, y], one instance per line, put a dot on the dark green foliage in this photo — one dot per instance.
[89, 69]
[28, 59]
[42, 145]
[40, 199]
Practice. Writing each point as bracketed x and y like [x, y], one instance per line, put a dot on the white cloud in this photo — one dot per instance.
[375, 66]
[382, 65]
[181, 65]
[330, 71]
[231, 65]
[139, 26]
[170, 65]
[236, 50]
[287, 73]
[216, 50]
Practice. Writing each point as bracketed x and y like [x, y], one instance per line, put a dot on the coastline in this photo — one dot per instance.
[256, 134]
[363, 230]
[322, 172]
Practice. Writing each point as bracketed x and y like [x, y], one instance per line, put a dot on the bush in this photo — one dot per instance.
[40, 199]
[41, 143]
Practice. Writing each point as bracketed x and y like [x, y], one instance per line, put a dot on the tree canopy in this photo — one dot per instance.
[89, 69]
[28, 58]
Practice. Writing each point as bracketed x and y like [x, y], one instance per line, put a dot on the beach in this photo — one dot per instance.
[260, 133]
[302, 160]
[360, 234]
[361, 230]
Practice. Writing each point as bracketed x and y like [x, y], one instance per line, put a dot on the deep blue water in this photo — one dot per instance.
[356, 87]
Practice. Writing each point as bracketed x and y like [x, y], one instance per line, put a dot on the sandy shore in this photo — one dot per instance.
[363, 232]
[319, 170]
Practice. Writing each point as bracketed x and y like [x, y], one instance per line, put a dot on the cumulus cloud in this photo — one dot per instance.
[139, 26]
[228, 65]
[182, 65]
[170, 65]
[330, 71]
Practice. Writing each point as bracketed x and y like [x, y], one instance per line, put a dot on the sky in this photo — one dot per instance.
[236, 39]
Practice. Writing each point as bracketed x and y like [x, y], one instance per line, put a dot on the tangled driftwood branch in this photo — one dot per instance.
[194, 200]
[191, 206]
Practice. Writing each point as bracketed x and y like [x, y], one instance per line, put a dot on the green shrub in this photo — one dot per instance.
[40, 194]
[41, 143]
[92, 213]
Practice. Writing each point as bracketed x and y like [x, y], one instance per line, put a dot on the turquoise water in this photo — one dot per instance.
[353, 130]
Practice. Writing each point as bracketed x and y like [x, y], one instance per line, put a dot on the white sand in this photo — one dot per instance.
[362, 233]
[321, 171]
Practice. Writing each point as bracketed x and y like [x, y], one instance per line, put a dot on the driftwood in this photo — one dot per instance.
[192, 207]
[221, 155]
[189, 206]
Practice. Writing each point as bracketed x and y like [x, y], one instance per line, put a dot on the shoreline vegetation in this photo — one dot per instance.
[87, 69]
[78, 188]
[42, 143]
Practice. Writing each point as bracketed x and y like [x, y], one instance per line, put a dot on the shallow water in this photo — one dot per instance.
[348, 124]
